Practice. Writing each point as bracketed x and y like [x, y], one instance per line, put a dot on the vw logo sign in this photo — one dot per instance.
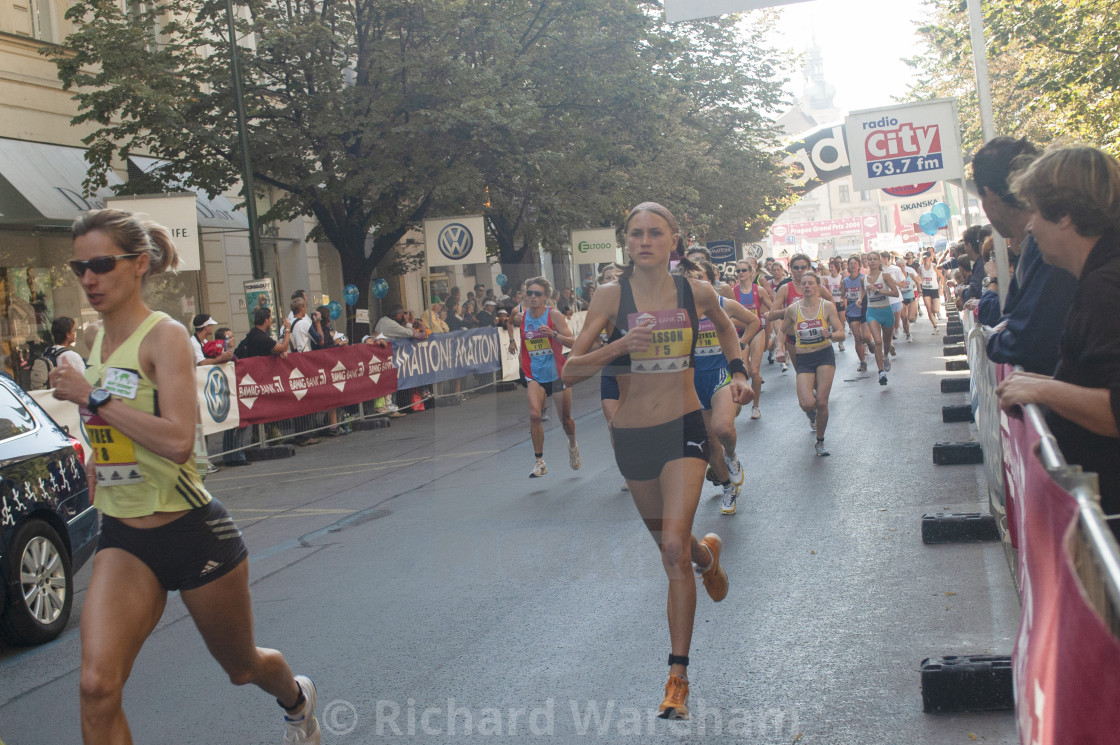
[216, 393]
[455, 241]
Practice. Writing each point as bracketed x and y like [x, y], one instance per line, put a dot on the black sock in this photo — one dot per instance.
[725, 483]
[539, 455]
[297, 705]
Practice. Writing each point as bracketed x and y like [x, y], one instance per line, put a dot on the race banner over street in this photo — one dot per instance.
[903, 145]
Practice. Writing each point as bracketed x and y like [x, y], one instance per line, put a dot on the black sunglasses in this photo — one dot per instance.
[800, 267]
[100, 265]
[535, 293]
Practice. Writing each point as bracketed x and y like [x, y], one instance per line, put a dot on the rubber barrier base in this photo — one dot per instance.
[954, 350]
[272, 452]
[952, 339]
[452, 400]
[961, 684]
[954, 327]
[954, 385]
[958, 527]
[368, 424]
[956, 413]
[956, 365]
[957, 453]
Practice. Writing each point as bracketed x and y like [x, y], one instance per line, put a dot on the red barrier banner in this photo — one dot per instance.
[272, 388]
[1066, 660]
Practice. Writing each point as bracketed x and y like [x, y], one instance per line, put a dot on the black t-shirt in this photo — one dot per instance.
[1091, 358]
[255, 344]
[485, 319]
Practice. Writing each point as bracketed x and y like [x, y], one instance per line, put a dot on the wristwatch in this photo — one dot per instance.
[987, 281]
[97, 398]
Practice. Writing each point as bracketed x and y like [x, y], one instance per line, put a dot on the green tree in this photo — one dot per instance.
[1054, 68]
[370, 116]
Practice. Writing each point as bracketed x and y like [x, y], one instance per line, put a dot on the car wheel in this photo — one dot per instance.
[39, 567]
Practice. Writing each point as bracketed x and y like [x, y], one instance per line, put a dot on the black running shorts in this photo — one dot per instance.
[641, 452]
[198, 548]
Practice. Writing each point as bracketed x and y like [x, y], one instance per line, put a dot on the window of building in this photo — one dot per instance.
[865, 196]
[845, 193]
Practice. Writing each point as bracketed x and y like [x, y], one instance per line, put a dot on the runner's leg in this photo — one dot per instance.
[223, 613]
[824, 377]
[123, 604]
[536, 404]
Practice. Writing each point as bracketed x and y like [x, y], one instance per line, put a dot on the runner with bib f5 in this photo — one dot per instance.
[660, 443]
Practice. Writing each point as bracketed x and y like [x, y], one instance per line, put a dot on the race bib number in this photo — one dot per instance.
[810, 331]
[672, 341]
[537, 344]
[114, 455]
[707, 343]
[853, 294]
[123, 383]
[875, 292]
[929, 283]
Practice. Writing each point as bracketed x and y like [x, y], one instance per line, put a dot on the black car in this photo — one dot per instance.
[48, 528]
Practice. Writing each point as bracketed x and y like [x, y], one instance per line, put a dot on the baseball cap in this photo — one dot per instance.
[491, 302]
[202, 321]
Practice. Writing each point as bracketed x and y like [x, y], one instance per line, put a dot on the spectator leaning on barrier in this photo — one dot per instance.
[433, 319]
[973, 239]
[1074, 196]
[257, 343]
[1034, 313]
[204, 326]
[393, 325]
[485, 316]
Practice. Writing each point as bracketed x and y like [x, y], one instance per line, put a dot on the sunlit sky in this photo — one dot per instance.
[862, 43]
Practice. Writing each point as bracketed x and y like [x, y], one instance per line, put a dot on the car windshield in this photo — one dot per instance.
[14, 418]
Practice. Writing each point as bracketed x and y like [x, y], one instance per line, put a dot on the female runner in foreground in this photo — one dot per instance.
[160, 529]
[878, 289]
[660, 443]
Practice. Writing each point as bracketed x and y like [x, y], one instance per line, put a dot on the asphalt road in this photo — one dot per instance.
[436, 594]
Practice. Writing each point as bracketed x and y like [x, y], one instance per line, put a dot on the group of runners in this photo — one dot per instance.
[677, 361]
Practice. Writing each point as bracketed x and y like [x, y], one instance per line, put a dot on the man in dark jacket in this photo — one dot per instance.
[1039, 295]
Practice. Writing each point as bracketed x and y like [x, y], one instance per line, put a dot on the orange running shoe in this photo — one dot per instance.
[715, 579]
[675, 705]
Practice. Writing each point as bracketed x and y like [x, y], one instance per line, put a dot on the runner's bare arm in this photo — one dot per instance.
[563, 334]
[892, 286]
[165, 356]
[586, 360]
[778, 307]
[747, 324]
[789, 320]
[835, 324]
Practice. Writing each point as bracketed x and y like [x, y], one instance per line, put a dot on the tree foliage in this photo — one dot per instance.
[370, 115]
[1054, 68]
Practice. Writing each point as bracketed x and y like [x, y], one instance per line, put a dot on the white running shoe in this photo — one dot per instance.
[734, 469]
[887, 364]
[756, 413]
[812, 415]
[730, 496]
[882, 378]
[625, 485]
[538, 470]
[573, 457]
[785, 367]
[908, 337]
[303, 728]
[820, 449]
[841, 346]
[936, 331]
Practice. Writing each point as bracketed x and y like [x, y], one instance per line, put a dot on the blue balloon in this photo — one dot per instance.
[928, 223]
[350, 294]
[502, 280]
[941, 211]
[380, 288]
[336, 309]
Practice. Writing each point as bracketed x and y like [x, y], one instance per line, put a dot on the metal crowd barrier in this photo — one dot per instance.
[1096, 553]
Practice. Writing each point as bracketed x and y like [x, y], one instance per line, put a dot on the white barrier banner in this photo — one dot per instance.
[216, 403]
